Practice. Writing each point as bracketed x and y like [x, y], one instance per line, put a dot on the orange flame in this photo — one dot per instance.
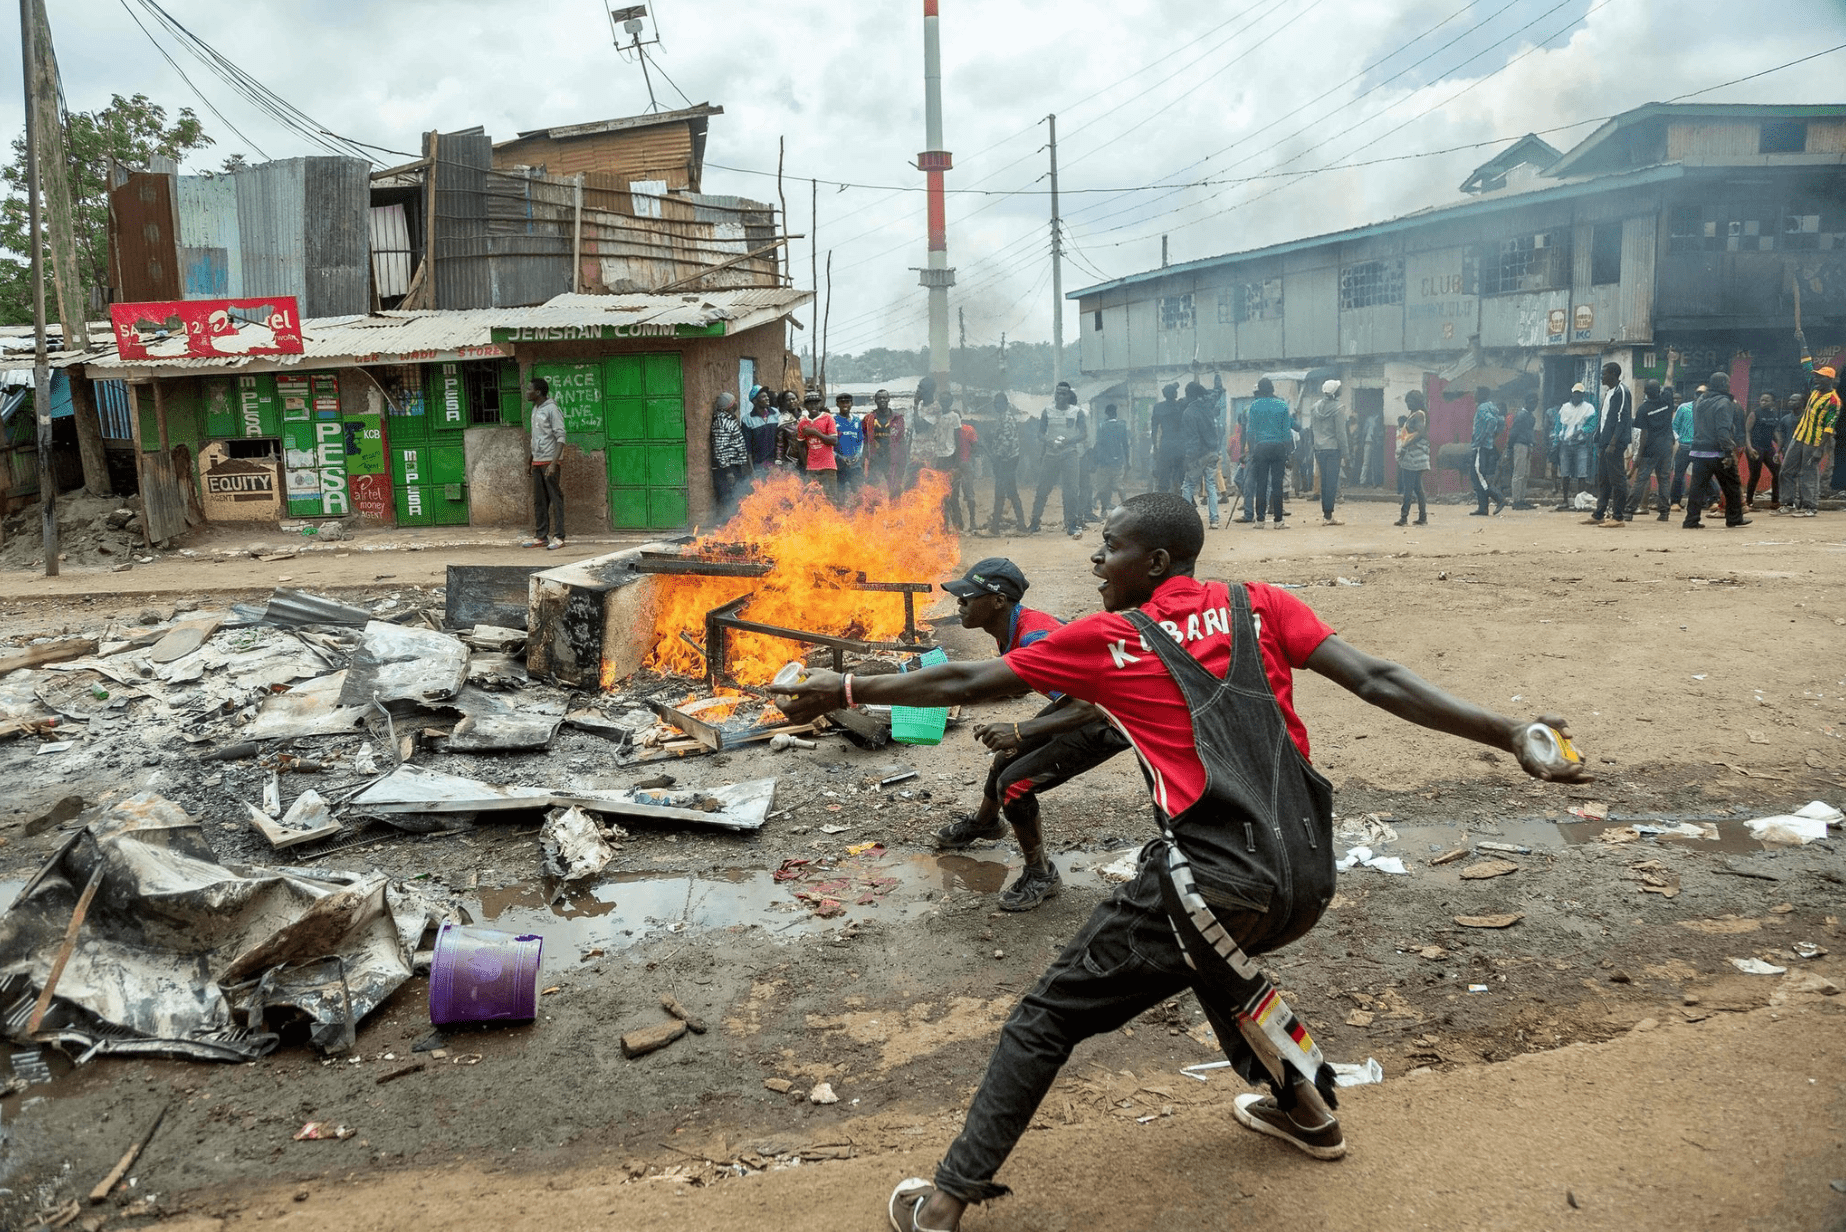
[817, 550]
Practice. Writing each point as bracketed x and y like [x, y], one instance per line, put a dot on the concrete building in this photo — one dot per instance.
[1671, 227]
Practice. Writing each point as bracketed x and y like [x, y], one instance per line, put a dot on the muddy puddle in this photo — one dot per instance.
[625, 909]
[1418, 842]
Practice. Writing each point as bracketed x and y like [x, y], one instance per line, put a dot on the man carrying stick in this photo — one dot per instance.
[1198, 676]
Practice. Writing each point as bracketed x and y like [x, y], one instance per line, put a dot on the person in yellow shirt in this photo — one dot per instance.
[1810, 446]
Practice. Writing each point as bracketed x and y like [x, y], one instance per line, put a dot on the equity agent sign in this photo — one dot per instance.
[207, 328]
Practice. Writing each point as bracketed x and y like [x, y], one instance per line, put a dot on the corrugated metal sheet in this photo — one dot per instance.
[211, 252]
[143, 254]
[271, 226]
[464, 277]
[336, 198]
[390, 250]
[331, 340]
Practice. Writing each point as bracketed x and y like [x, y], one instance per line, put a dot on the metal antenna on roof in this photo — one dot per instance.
[628, 21]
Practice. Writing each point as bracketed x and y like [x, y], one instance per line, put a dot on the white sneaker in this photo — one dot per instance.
[554, 544]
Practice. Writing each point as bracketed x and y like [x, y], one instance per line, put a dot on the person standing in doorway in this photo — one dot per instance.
[1111, 460]
[1169, 443]
[887, 448]
[759, 424]
[1488, 421]
[1655, 456]
[1714, 454]
[1413, 458]
[1328, 423]
[547, 468]
[1003, 453]
[1763, 446]
[1810, 446]
[1519, 440]
[822, 438]
[730, 457]
[1272, 437]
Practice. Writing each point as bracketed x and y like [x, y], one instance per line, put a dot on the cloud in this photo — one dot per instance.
[1141, 90]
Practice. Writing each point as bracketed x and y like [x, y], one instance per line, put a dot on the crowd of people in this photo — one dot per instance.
[1701, 453]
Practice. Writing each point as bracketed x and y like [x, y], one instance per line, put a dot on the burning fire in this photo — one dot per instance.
[817, 550]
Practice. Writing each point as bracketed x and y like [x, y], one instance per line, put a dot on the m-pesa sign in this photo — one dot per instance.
[207, 328]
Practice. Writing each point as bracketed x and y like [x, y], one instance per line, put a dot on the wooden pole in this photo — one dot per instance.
[576, 240]
[134, 423]
[826, 319]
[64, 951]
[59, 217]
[35, 236]
[160, 416]
[90, 445]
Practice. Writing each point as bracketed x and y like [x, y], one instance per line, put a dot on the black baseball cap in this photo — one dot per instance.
[994, 576]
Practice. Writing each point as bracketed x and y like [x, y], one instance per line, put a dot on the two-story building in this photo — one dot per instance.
[1694, 228]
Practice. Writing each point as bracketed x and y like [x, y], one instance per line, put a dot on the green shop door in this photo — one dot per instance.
[644, 418]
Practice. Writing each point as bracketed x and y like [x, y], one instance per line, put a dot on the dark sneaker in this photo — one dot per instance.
[1259, 1112]
[1034, 886]
[965, 831]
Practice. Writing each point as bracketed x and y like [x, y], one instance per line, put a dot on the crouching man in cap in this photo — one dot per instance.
[1065, 739]
[1199, 677]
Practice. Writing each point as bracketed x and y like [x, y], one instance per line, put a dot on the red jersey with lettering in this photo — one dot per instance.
[1101, 659]
[1029, 625]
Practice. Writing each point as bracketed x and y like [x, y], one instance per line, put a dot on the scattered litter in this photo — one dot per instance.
[402, 1071]
[694, 1023]
[30, 1065]
[781, 1086]
[1477, 988]
[1369, 830]
[834, 829]
[1488, 868]
[323, 1131]
[1361, 1075]
[307, 819]
[1362, 856]
[398, 664]
[207, 984]
[1593, 811]
[1119, 865]
[1682, 829]
[55, 746]
[1489, 921]
[289, 608]
[312, 708]
[103, 1187]
[1807, 949]
[483, 975]
[895, 779]
[573, 846]
[823, 1094]
[1450, 856]
[1756, 966]
[1513, 848]
[1801, 827]
[1203, 1068]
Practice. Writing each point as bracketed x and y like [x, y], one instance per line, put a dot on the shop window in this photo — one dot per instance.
[1096, 320]
[481, 380]
[252, 447]
[1606, 254]
[1250, 301]
[1783, 137]
[1176, 312]
[1371, 284]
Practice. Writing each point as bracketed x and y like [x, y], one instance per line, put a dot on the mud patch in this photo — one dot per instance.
[903, 1036]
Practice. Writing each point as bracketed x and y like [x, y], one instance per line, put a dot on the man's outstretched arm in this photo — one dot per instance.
[1394, 687]
[946, 684]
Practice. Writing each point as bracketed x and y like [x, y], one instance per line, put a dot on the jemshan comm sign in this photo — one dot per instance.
[605, 333]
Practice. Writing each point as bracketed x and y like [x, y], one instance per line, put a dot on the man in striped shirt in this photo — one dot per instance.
[1810, 448]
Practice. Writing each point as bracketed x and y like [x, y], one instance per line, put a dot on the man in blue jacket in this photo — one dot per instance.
[1271, 433]
[1487, 424]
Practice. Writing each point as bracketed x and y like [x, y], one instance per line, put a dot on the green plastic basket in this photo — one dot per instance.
[921, 724]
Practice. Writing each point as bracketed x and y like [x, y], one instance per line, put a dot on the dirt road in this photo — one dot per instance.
[1702, 671]
[1730, 1124]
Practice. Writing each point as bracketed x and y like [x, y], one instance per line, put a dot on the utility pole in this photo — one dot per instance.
[933, 162]
[41, 360]
[961, 319]
[1163, 252]
[1057, 266]
[814, 258]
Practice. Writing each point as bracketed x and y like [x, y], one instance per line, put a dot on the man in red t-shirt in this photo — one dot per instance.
[820, 434]
[1065, 739]
[1198, 676]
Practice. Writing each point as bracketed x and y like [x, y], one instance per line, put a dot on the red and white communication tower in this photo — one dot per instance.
[935, 160]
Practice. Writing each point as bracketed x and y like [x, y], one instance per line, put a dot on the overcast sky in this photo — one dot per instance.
[1154, 92]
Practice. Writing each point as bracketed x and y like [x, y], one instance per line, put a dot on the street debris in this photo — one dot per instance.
[573, 846]
[823, 1094]
[1488, 868]
[1799, 828]
[1489, 921]
[323, 1131]
[114, 1178]
[1593, 811]
[1756, 966]
[396, 664]
[1362, 857]
[640, 1042]
[207, 984]
[1119, 865]
[671, 1005]
[483, 975]
[307, 820]
[1365, 1074]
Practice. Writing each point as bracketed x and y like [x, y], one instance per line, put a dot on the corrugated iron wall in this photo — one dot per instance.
[292, 227]
[663, 152]
[144, 254]
[464, 277]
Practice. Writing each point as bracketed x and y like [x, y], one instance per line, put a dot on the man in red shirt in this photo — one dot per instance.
[819, 433]
[1199, 677]
[1065, 739]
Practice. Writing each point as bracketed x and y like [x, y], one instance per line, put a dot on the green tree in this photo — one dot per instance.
[128, 132]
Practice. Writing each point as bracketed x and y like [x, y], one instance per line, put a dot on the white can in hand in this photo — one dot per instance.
[1550, 748]
[792, 673]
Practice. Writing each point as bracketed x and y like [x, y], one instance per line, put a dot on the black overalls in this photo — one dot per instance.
[1260, 843]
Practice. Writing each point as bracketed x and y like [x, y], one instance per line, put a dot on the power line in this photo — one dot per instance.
[197, 93]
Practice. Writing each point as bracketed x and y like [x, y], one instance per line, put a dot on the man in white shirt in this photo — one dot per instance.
[1576, 443]
[547, 468]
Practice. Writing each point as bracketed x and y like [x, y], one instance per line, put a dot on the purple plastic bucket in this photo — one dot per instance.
[482, 975]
